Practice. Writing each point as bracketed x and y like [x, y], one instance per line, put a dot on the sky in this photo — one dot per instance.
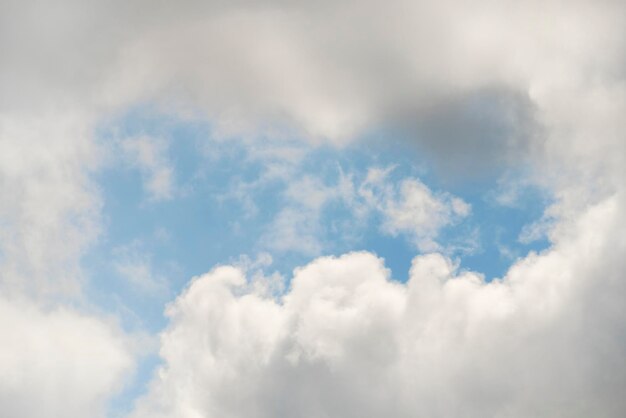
[331, 209]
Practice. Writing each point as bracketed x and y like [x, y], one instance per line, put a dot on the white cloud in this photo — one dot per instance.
[55, 360]
[411, 208]
[346, 341]
[406, 207]
[59, 362]
[50, 208]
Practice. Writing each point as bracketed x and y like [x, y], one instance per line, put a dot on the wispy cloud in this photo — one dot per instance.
[149, 155]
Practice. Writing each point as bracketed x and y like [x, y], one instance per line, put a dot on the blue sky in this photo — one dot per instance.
[207, 223]
[213, 218]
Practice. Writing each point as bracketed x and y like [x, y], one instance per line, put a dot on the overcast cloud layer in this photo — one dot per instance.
[480, 88]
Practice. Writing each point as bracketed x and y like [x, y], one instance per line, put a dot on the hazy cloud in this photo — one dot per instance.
[149, 155]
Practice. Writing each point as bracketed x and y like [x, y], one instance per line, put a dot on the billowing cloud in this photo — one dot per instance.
[346, 340]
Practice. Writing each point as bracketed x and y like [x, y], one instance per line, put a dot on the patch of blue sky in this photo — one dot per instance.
[225, 200]
[180, 237]
[497, 228]
[209, 220]
[487, 241]
[122, 403]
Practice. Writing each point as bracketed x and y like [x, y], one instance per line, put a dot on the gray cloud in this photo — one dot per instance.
[475, 134]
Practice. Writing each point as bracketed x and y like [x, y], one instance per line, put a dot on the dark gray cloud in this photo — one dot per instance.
[475, 134]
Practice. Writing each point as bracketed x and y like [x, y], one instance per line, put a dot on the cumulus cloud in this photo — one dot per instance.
[346, 340]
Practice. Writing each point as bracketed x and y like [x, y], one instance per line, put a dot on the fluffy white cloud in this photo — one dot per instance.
[347, 341]
[58, 362]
